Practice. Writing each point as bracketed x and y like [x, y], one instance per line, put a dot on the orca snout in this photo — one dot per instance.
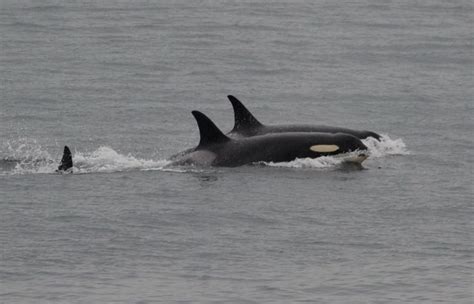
[362, 146]
[355, 144]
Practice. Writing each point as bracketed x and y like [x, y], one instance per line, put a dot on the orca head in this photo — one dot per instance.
[244, 122]
[349, 143]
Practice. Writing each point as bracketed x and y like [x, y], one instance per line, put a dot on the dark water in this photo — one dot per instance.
[116, 80]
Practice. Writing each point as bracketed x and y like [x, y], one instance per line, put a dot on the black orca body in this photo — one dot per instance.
[66, 161]
[247, 125]
[217, 149]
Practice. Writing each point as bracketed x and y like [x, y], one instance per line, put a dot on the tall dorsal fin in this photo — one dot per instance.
[209, 132]
[243, 119]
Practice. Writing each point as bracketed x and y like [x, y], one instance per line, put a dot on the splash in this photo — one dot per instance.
[319, 163]
[386, 146]
[106, 159]
[24, 155]
[29, 157]
[25, 149]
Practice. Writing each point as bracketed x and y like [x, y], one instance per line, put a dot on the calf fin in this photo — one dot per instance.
[66, 161]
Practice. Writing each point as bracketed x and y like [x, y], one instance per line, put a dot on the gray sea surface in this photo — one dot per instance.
[117, 80]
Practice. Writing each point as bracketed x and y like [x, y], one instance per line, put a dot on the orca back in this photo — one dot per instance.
[246, 125]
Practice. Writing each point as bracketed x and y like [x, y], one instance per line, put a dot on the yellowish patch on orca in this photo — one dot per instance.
[324, 148]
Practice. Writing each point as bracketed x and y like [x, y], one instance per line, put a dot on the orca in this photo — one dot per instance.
[247, 125]
[217, 149]
[66, 162]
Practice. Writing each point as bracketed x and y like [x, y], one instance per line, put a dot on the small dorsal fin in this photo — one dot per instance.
[209, 132]
[243, 119]
[66, 161]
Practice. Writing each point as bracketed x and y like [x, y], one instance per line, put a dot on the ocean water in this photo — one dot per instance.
[117, 80]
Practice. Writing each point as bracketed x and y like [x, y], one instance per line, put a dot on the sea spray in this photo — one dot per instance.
[386, 146]
[377, 149]
[27, 156]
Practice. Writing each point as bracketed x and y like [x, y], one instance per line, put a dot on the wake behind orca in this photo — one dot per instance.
[247, 125]
[217, 149]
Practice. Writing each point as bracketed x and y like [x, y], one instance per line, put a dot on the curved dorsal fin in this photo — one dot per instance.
[243, 119]
[209, 132]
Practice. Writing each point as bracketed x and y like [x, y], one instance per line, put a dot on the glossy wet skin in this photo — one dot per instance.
[268, 129]
[246, 125]
[281, 147]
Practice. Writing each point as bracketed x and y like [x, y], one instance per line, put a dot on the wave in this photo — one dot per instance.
[25, 156]
[106, 159]
[377, 149]
[385, 147]
[323, 162]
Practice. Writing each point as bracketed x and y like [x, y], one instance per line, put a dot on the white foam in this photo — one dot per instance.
[386, 146]
[27, 155]
[25, 149]
[106, 159]
[30, 158]
[320, 163]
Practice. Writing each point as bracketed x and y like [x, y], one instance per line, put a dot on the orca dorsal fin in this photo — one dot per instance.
[243, 119]
[66, 161]
[208, 131]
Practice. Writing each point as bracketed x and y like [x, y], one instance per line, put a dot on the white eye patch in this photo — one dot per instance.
[324, 148]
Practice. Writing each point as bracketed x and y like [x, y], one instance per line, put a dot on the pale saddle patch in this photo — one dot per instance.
[324, 148]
